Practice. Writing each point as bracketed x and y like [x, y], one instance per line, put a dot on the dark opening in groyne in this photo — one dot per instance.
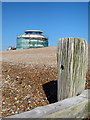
[50, 90]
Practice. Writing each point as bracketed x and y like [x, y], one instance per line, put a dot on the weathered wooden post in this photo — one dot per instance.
[72, 57]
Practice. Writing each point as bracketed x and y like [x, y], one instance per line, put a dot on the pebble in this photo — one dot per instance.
[10, 95]
[24, 90]
[16, 112]
[3, 103]
[20, 82]
[17, 101]
[12, 112]
[6, 82]
[18, 108]
[28, 96]
[3, 110]
[29, 101]
[11, 107]
[29, 86]
[17, 77]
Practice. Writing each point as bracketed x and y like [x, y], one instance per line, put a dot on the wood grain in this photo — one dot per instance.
[72, 54]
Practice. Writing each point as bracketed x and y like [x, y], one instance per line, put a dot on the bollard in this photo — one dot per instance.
[72, 59]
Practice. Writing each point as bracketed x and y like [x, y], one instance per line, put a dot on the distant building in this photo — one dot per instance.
[31, 39]
[12, 48]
